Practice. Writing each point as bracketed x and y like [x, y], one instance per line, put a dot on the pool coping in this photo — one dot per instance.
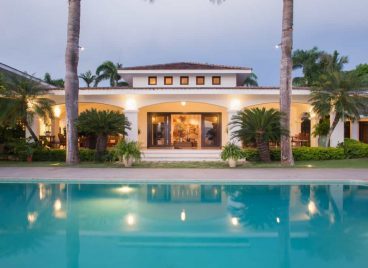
[223, 176]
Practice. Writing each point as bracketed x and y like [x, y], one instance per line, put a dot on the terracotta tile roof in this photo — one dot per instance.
[185, 66]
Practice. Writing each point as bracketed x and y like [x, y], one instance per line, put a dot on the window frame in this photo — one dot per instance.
[216, 77]
[149, 80]
[200, 77]
[184, 77]
[168, 77]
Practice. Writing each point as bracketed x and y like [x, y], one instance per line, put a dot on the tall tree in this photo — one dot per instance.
[286, 80]
[55, 82]
[20, 100]
[309, 62]
[108, 71]
[71, 81]
[88, 78]
[339, 93]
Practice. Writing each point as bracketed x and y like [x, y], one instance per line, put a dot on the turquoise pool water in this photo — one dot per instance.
[191, 225]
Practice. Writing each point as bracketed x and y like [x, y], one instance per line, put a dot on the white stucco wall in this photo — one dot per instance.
[227, 80]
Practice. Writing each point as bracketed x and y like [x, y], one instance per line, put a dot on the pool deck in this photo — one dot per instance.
[269, 175]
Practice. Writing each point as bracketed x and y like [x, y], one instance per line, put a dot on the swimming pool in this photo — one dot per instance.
[183, 225]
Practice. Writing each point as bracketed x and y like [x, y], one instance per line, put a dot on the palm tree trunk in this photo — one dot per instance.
[34, 136]
[332, 128]
[264, 150]
[101, 146]
[286, 81]
[71, 81]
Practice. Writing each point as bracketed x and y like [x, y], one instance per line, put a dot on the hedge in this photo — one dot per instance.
[300, 154]
[60, 155]
[354, 149]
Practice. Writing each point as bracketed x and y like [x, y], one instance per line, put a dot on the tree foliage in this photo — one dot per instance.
[55, 82]
[20, 100]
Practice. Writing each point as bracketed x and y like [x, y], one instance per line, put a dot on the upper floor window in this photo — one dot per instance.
[152, 80]
[200, 80]
[216, 80]
[168, 80]
[184, 80]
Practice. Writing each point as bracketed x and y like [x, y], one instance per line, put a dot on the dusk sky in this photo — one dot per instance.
[137, 32]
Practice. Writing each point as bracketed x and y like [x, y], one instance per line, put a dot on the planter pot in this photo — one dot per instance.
[322, 141]
[29, 158]
[232, 163]
[128, 162]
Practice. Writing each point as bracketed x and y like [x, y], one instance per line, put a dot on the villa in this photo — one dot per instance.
[188, 106]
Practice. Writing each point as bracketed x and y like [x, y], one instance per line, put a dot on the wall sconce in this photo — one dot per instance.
[131, 104]
[235, 105]
[57, 111]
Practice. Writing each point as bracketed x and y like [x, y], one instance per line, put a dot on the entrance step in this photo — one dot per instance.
[172, 155]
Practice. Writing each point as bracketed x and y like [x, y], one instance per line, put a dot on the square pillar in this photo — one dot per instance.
[338, 133]
[132, 116]
[230, 114]
[354, 130]
[314, 140]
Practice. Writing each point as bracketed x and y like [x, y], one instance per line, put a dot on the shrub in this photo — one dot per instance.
[231, 151]
[85, 155]
[354, 149]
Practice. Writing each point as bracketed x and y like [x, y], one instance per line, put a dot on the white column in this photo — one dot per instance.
[314, 140]
[230, 114]
[132, 116]
[35, 125]
[338, 133]
[354, 130]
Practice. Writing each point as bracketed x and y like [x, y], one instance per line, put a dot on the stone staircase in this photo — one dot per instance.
[172, 155]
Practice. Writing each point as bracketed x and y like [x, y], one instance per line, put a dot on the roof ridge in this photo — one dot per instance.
[184, 65]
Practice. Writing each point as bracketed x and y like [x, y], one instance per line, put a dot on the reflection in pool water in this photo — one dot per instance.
[192, 225]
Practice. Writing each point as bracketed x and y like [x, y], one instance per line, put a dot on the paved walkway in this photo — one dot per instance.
[269, 175]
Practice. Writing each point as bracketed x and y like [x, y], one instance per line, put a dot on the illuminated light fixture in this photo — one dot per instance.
[32, 217]
[277, 219]
[131, 104]
[235, 221]
[57, 205]
[312, 208]
[309, 166]
[130, 219]
[183, 103]
[125, 189]
[57, 111]
[153, 191]
[278, 46]
[183, 215]
[235, 105]
[81, 48]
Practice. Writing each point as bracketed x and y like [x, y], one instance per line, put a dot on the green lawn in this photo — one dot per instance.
[348, 163]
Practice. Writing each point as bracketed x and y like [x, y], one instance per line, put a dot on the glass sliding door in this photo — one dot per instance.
[158, 130]
[211, 130]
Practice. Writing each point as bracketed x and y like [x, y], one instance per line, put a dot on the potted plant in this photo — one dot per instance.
[321, 130]
[127, 152]
[231, 153]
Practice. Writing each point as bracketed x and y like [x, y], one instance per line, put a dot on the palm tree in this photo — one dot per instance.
[20, 100]
[333, 62]
[259, 126]
[55, 82]
[102, 124]
[251, 80]
[339, 93]
[88, 78]
[71, 81]
[286, 80]
[309, 62]
[108, 71]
